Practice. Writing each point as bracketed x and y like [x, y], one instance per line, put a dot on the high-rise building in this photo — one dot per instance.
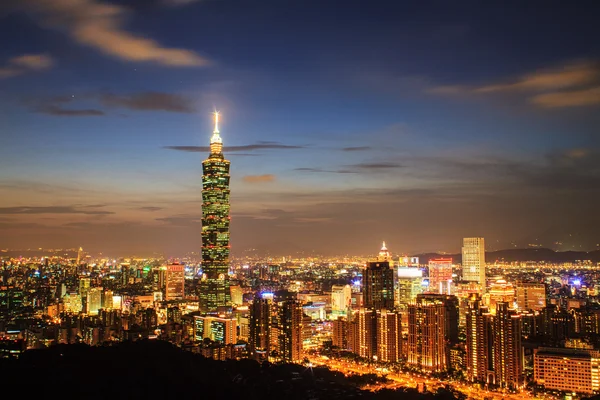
[84, 286]
[410, 284]
[159, 276]
[440, 275]
[479, 362]
[494, 352]
[94, 300]
[508, 351]
[237, 295]
[366, 320]
[531, 296]
[340, 333]
[289, 323]
[378, 283]
[473, 261]
[214, 291]
[341, 299]
[389, 336]
[107, 299]
[432, 328]
[499, 291]
[175, 282]
[260, 327]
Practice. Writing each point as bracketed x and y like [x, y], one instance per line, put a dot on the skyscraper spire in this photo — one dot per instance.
[216, 114]
[216, 143]
[384, 254]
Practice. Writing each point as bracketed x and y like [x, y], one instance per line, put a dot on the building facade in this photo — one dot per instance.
[473, 261]
[530, 296]
[440, 275]
[427, 345]
[567, 370]
[174, 282]
[378, 285]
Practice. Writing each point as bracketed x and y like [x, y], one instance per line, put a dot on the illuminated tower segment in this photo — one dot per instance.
[214, 287]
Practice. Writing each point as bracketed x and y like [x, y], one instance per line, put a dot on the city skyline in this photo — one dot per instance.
[421, 128]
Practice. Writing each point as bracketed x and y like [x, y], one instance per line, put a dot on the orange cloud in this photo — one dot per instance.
[575, 98]
[25, 63]
[99, 25]
[566, 76]
[572, 85]
[259, 178]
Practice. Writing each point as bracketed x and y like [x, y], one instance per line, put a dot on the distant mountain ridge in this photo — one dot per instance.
[512, 255]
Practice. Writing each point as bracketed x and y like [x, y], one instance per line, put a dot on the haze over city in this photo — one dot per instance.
[346, 124]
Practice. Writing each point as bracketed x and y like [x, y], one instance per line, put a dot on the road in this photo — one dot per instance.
[405, 379]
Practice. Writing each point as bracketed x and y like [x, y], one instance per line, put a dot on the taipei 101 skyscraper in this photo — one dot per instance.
[214, 289]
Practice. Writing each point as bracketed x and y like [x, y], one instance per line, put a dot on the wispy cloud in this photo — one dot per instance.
[357, 148]
[566, 76]
[25, 63]
[375, 166]
[56, 110]
[259, 178]
[150, 208]
[100, 25]
[247, 147]
[149, 101]
[52, 210]
[143, 101]
[575, 98]
[354, 168]
[569, 85]
[179, 3]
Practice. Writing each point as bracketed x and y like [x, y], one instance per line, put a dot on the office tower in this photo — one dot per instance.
[341, 299]
[479, 341]
[378, 285]
[94, 300]
[440, 276]
[410, 284]
[289, 324]
[237, 295]
[214, 291]
[531, 296]
[389, 336]
[260, 327]
[175, 282]
[432, 328]
[84, 286]
[366, 320]
[473, 261]
[567, 370]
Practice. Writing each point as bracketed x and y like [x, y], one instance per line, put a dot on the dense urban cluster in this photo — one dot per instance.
[484, 328]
